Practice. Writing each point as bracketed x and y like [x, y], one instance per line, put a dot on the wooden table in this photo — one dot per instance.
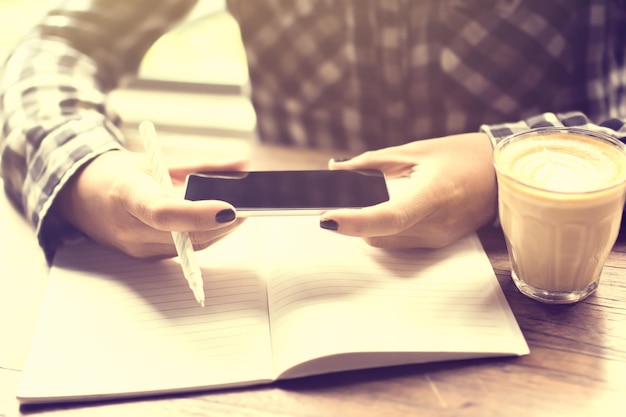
[577, 365]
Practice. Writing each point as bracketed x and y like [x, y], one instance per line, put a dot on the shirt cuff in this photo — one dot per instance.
[500, 131]
[78, 150]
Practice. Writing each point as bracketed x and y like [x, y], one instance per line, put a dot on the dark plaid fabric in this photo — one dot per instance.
[348, 74]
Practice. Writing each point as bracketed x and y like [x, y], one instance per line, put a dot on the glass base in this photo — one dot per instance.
[554, 297]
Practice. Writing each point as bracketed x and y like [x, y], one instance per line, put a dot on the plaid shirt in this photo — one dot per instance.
[349, 74]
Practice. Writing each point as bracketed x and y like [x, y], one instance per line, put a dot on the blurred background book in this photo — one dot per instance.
[193, 80]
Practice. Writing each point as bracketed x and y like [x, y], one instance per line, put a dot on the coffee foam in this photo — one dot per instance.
[567, 163]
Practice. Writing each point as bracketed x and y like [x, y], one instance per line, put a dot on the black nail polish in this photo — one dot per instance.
[329, 225]
[225, 216]
[341, 159]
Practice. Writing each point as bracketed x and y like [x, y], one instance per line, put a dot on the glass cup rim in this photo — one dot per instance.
[559, 129]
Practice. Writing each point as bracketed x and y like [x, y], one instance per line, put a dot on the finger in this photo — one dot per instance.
[159, 210]
[204, 238]
[411, 200]
[187, 216]
[160, 244]
[391, 161]
[385, 219]
[398, 241]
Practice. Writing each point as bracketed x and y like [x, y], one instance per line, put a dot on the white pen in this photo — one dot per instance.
[184, 248]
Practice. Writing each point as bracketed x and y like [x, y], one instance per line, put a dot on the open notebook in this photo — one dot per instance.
[284, 299]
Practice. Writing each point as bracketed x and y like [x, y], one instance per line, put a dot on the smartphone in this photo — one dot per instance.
[255, 193]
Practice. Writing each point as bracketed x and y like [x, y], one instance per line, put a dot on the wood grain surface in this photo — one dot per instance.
[577, 365]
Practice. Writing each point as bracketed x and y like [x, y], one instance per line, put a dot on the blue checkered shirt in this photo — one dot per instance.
[344, 74]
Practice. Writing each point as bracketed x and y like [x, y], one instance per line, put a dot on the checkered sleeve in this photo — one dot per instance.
[613, 126]
[53, 97]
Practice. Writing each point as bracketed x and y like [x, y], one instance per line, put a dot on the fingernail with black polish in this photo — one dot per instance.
[341, 159]
[329, 225]
[225, 216]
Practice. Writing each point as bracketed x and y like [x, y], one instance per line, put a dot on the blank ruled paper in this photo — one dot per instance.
[116, 325]
[284, 298]
[351, 297]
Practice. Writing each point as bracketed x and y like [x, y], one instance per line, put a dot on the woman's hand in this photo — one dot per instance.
[115, 201]
[450, 192]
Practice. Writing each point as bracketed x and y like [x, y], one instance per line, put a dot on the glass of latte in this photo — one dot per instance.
[560, 198]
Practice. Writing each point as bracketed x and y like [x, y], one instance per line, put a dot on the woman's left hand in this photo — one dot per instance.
[451, 191]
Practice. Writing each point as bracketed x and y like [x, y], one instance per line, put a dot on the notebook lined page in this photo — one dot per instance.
[350, 297]
[113, 324]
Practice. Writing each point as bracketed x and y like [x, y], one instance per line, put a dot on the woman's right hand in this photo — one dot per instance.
[115, 201]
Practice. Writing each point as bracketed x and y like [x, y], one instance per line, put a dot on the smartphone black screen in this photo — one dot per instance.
[290, 190]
